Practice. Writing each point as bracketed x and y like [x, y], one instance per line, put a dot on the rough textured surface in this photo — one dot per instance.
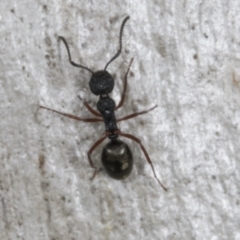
[186, 60]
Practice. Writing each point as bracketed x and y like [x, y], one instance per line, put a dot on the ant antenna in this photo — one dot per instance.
[120, 43]
[69, 56]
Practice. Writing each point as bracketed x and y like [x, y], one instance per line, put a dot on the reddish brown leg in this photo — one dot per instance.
[90, 109]
[97, 143]
[145, 153]
[74, 117]
[135, 114]
[124, 87]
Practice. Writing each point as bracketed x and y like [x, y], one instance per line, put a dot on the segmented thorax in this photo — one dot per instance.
[106, 107]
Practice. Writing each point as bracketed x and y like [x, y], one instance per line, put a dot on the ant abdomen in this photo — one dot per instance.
[117, 159]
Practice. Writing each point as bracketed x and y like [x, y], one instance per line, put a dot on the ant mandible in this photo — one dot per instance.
[116, 155]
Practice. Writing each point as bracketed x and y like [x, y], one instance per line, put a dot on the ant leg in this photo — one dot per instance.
[135, 114]
[124, 87]
[69, 55]
[145, 153]
[90, 109]
[74, 117]
[97, 143]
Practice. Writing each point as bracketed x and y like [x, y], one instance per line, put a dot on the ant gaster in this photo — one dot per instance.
[116, 155]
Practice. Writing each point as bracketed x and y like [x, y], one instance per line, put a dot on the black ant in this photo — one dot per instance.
[116, 155]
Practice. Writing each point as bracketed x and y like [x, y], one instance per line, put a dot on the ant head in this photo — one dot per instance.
[101, 82]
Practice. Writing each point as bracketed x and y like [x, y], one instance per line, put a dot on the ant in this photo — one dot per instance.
[116, 155]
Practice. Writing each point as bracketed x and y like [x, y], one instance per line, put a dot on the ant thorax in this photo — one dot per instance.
[106, 107]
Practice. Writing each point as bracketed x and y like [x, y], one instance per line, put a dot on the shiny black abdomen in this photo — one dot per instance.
[117, 159]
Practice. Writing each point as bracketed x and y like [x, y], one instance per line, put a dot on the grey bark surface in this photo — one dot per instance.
[186, 60]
